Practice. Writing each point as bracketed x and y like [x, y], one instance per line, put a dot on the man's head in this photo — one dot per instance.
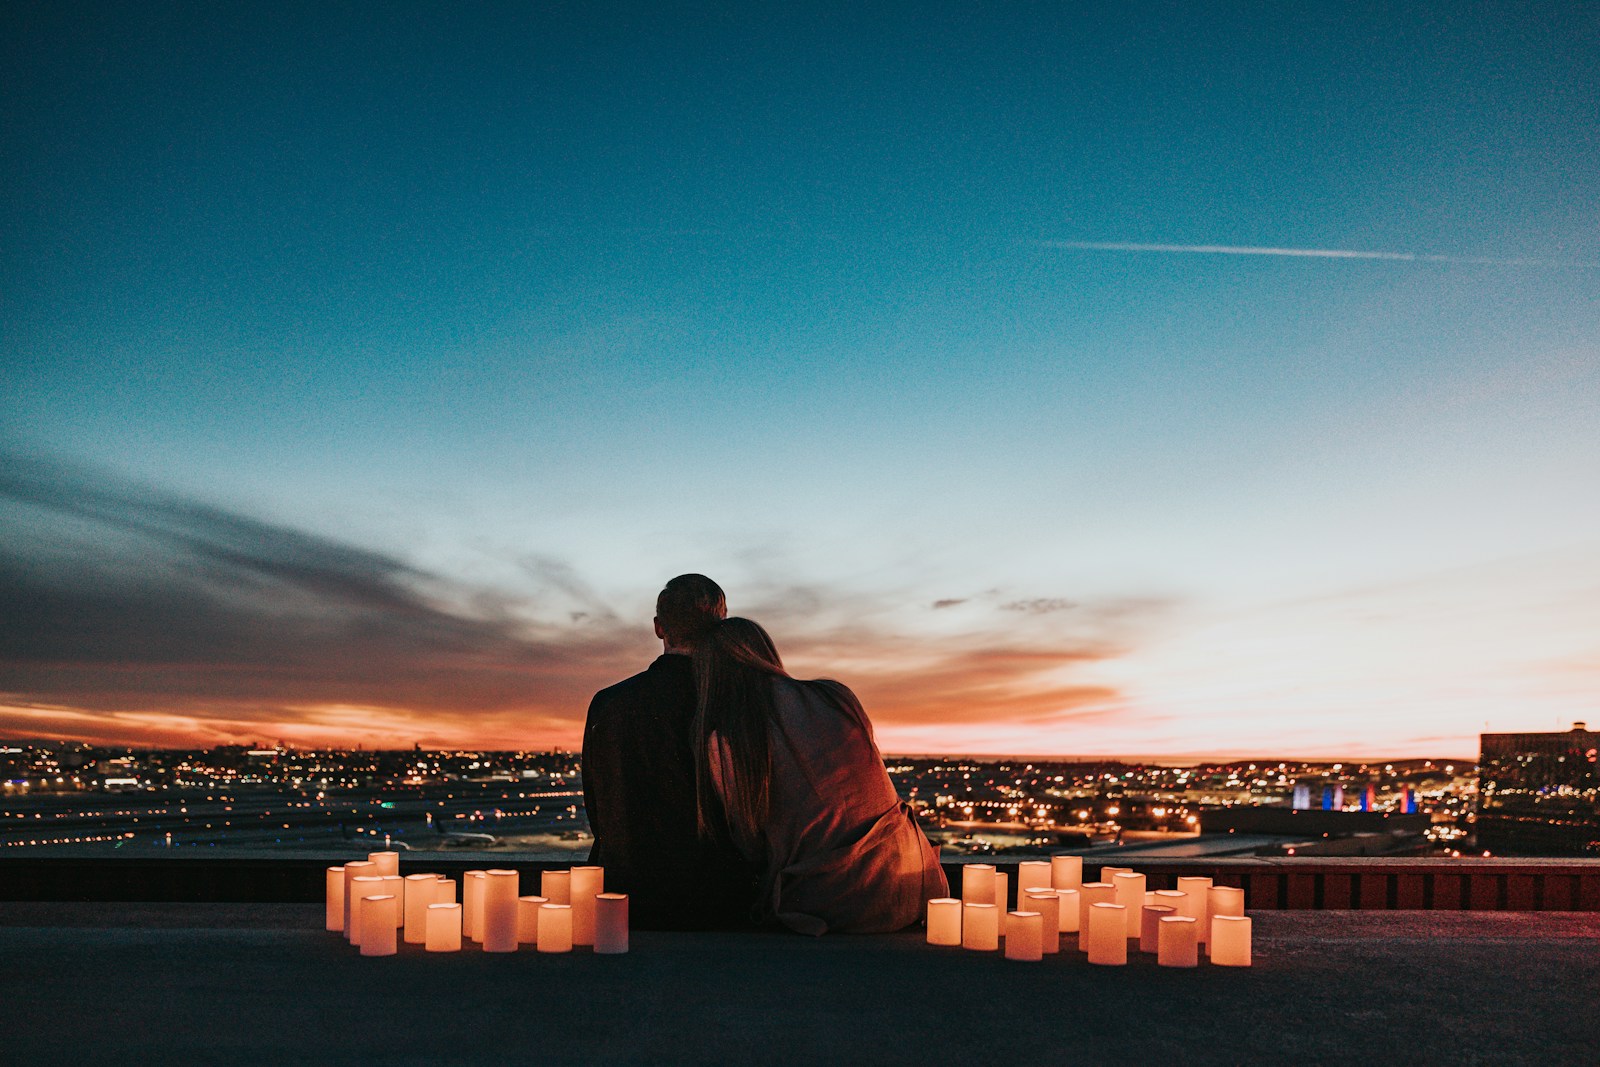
[689, 605]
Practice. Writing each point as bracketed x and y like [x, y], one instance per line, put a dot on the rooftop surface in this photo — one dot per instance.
[263, 983]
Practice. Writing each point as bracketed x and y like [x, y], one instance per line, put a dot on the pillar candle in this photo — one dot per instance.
[1175, 944]
[1150, 898]
[528, 919]
[498, 917]
[1108, 934]
[1068, 910]
[361, 887]
[611, 924]
[1108, 874]
[1048, 905]
[395, 886]
[556, 886]
[1230, 941]
[586, 884]
[444, 928]
[555, 928]
[980, 927]
[352, 871]
[1222, 900]
[1032, 875]
[944, 921]
[1195, 906]
[388, 862]
[1129, 888]
[1024, 930]
[419, 894]
[1150, 926]
[1066, 872]
[444, 892]
[472, 904]
[378, 924]
[1170, 898]
[335, 899]
[1002, 890]
[977, 883]
[1091, 894]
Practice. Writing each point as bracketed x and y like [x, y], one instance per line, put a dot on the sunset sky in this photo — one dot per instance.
[368, 368]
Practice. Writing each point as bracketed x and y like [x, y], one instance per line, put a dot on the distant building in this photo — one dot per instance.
[1539, 794]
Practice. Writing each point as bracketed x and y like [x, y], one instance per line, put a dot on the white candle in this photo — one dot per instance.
[587, 883]
[556, 886]
[352, 871]
[361, 887]
[528, 919]
[378, 924]
[1024, 931]
[1069, 910]
[472, 904]
[419, 894]
[1002, 890]
[1195, 906]
[445, 891]
[1108, 875]
[1032, 875]
[1089, 895]
[1170, 898]
[944, 921]
[1108, 934]
[444, 928]
[611, 924]
[555, 928]
[1230, 941]
[1048, 905]
[388, 862]
[498, 919]
[395, 886]
[980, 927]
[1175, 944]
[1066, 872]
[1129, 888]
[977, 883]
[335, 899]
[1222, 900]
[1150, 926]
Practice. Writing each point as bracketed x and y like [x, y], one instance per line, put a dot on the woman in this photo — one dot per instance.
[790, 771]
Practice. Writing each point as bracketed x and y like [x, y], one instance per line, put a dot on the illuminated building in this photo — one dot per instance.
[1540, 793]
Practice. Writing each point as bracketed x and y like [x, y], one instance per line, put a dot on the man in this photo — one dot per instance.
[639, 781]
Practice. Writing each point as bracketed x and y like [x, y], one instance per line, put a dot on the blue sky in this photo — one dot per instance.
[542, 304]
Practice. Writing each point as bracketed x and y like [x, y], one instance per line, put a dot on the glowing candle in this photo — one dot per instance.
[1108, 874]
[498, 919]
[1108, 934]
[378, 924]
[361, 887]
[1195, 906]
[980, 927]
[1089, 895]
[556, 886]
[1222, 900]
[611, 924]
[444, 928]
[1175, 944]
[1069, 910]
[528, 919]
[977, 883]
[1129, 889]
[472, 904]
[335, 899]
[1048, 905]
[1066, 872]
[1230, 941]
[352, 871]
[585, 886]
[419, 894]
[1032, 875]
[1150, 898]
[1024, 930]
[944, 921]
[555, 928]
[1002, 890]
[1150, 926]
[395, 886]
[388, 862]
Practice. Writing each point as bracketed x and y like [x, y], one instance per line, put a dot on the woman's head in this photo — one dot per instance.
[735, 644]
[735, 662]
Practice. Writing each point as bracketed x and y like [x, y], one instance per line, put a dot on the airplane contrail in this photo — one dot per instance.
[1312, 253]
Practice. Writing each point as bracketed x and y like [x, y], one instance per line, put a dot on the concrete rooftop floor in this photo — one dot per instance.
[248, 984]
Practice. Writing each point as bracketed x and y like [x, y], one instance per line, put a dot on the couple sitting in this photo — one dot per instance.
[723, 792]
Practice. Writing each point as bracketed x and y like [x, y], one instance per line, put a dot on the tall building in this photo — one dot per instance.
[1539, 794]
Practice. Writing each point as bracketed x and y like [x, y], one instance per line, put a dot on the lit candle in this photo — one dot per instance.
[611, 924]
[444, 928]
[528, 919]
[1195, 906]
[980, 927]
[1089, 895]
[335, 899]
[395, 886]
[361, 887]
[498, 919]
[353, 870]
[1002, 890]
[585, 886]
[388, 862]
[1150, 926]
[556, 886]
[472, 904]
[1129, 888]
[1223, 900]
[1066, 872]
[378, 924]
[1108, 934]
[944, 921]
[1048, 905]
[1032, 875]
[419, 894]
[1175, 944]
[555, 928]
[1068, 910]
[1108, 874]
[1024, 930]
[445, 891]
[977, 883]
[1230, 941]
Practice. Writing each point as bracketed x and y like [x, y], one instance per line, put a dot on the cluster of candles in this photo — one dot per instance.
[1105, 916]
[375, 909]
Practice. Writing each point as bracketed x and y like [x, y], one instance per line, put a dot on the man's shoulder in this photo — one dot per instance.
[664, 676]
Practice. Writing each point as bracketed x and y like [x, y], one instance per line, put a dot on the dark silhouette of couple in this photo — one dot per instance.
[723, 792]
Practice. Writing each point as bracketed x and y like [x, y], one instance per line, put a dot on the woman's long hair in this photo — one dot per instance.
[734, 665]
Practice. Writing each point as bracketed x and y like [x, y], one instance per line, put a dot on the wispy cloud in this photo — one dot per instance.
[1317, 253]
